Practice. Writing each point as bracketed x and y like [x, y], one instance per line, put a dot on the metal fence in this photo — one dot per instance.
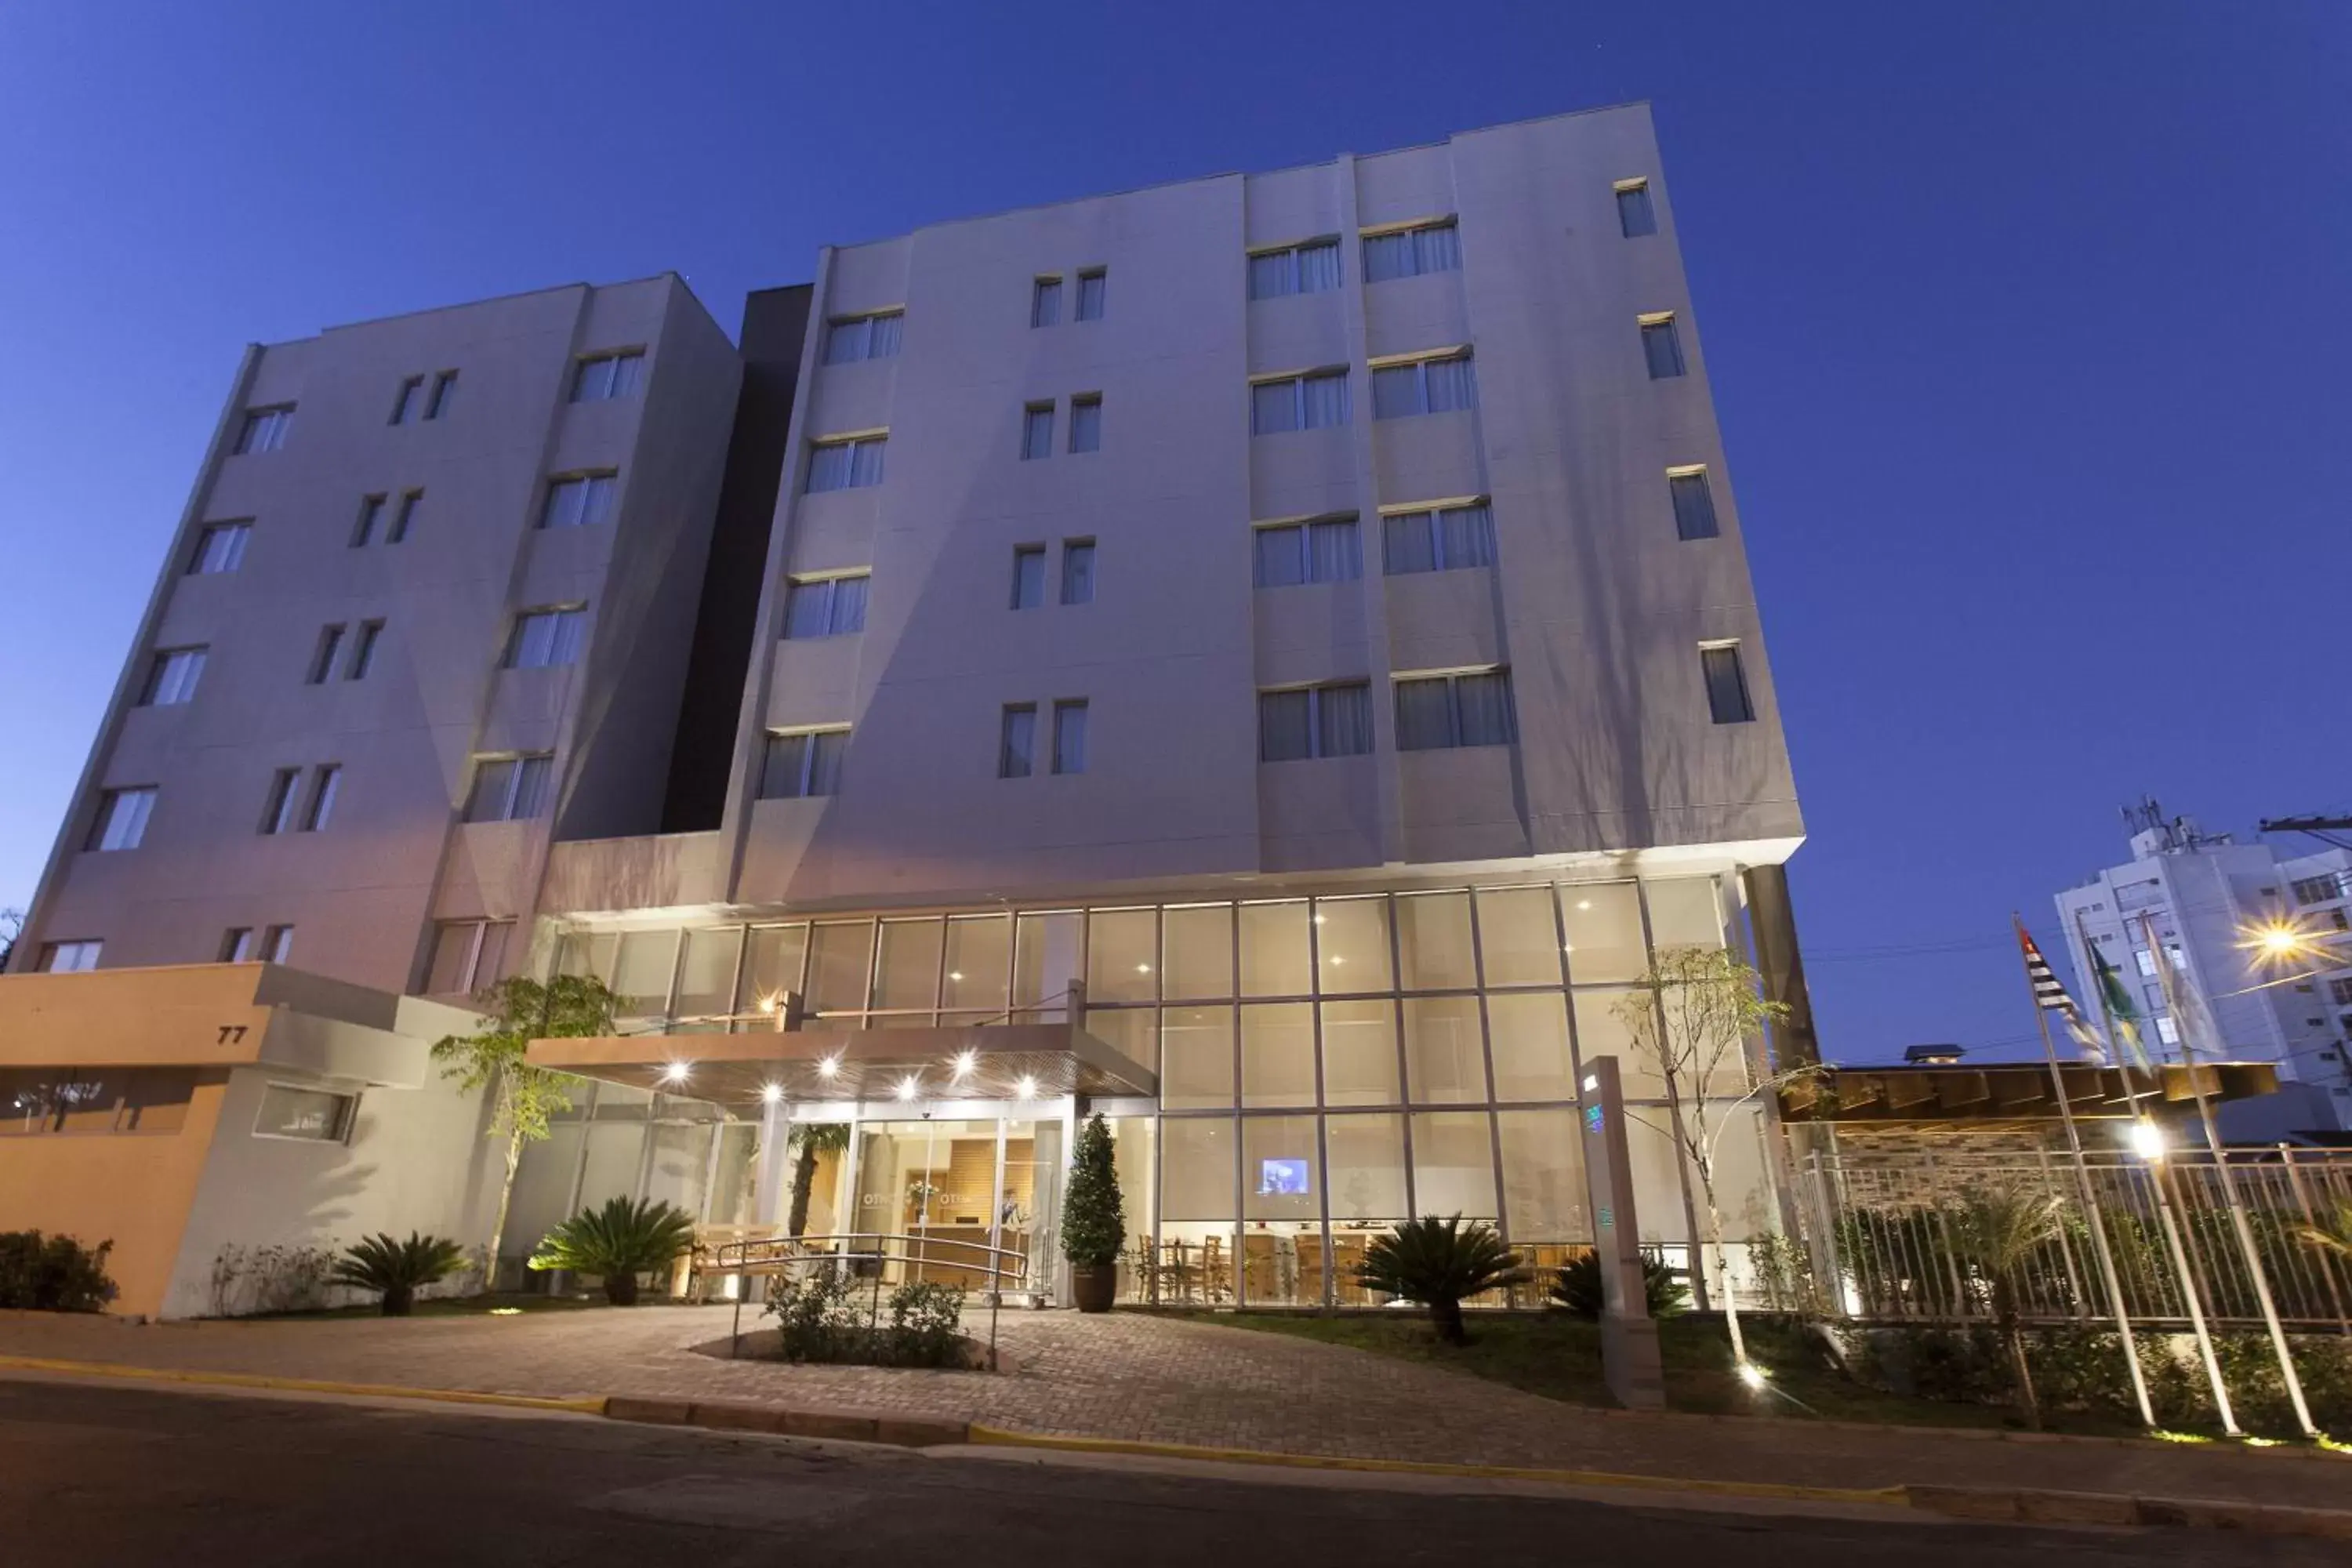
[1884, 1243]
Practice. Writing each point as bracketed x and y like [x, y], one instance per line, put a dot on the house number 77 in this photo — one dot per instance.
[231, 1034]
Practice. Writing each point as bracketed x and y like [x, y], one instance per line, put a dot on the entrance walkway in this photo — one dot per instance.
[1152, 1379]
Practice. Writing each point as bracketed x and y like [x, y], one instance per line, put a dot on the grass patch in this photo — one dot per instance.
[505, 1303]
[1559, 1357]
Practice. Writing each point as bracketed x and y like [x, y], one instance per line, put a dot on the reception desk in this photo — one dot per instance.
[961, 1257]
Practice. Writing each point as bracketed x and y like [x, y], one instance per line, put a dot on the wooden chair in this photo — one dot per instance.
[1261, 1267]
[1347, 1253]
[1216, 1271]
[1310, 1269]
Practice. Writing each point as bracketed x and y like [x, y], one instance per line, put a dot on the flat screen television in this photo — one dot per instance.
[1282, 1178]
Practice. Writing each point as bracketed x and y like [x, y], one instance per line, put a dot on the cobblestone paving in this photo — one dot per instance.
[1127, 1376]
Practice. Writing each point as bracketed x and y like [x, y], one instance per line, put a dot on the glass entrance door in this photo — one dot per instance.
[937, 1199]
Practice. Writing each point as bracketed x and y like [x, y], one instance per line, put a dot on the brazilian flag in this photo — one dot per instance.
[2121, 1014]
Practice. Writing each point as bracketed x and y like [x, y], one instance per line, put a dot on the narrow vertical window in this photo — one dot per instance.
[237, 945]
[278, 810]
[444, 386]
[802, 764]
[265, 428]
[121, 820]
[405, 404]
[370, 515]
[1636, 216]
[1016, 741]
[1694, 503]
[1028, 576]
[1092, 285]
[1077, 571]
[322, 657]
[1070, 737]
[406, 518]
[220, 547]
[171, 678]
[1661, 347]
[363, 651]
[1037, 431]
[1045, 302]
[1085, 423]
[1727, 683]
[325, 780]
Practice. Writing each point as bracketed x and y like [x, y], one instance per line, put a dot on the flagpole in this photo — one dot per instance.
[2229, 1183]
[2090, 1193]
[2115, 1038]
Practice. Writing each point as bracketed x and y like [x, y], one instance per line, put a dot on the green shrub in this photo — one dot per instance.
[53, 1273]
[1441, 1263]
[1576, 1287]
[616, 1243]
[825, 1317]
[396, 1269]
[1094, 1220]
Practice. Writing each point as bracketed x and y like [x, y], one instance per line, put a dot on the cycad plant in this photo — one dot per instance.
[396, 1269]
[1575, 1288]
[622, 1239]
[2332, 1235]
[1997, 1231]
[1440, 1263]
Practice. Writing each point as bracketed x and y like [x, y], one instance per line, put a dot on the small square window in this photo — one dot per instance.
[1086, 424]
[579, 500]
[845, 465]
[220, 547]
[1661, 347]
[171, 678]
[1045, 302]
[544, 639]
[825, 606]
[1077, 571]
[802, 764]
[265, 428]
[1694, 503]
[1635, 218]
[69, 957]
[121, 820]
[1016, 741]
[1037, 431]
[603, 376]
[1092, 287]
[1028, 576]
[1727, 684]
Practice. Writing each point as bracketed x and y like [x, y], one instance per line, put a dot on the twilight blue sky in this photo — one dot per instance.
[2029, 328]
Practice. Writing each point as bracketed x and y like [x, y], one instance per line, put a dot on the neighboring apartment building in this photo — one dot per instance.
[2209, 899]
[1305, 616]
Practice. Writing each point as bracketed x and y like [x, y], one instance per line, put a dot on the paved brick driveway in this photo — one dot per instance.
[1164, 1379]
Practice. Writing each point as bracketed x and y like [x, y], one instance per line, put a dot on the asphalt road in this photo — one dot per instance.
[103, 1475]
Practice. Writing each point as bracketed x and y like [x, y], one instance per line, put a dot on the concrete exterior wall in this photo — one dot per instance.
[1596, 606]
[361, 894]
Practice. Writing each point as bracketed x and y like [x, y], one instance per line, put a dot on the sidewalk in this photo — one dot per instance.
[1154, 1380]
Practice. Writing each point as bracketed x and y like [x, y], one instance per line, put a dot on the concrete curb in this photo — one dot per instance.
[841, 1426]
[2002, 1505]
[589, 1407]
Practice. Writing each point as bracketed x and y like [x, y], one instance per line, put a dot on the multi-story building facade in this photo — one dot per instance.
[1278, 650]
[2210, 901]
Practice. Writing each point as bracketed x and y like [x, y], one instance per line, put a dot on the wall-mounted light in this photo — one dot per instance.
[675, 1072]
[771, 1094]
[828, 1067]
[965, 1061]
[906, 1088]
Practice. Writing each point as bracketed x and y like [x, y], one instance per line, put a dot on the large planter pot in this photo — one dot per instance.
[1095, 1285]
[621, 1289]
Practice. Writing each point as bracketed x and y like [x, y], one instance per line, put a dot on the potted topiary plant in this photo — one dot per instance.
[1094, 1221]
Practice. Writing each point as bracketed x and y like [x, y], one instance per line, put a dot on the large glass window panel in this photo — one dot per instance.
[1131, 1151]
[1196, 947]
[1683, 914]
[641, 974]
[1130, 1031]
[839, 955]
[1366, 1160]
[1529, 1035]
[1278, 1053]
[1543, 1177]
[587, 954]
[706, 976]
[1360, 1053]
[1434, 951]
[908, 973]
[979, 964]
[1196, 1058]
[1741, 1187]
[1445, 1060]
[1279, 1169]
[1274, 950]
[1517, 941]
[1196, 1168]
[1045, 960]
[1452, 1164]
[1603, 921]
[1599, 1032]
[1658, 1216]
[771, 964]
[1120, 952]
[1351, 937]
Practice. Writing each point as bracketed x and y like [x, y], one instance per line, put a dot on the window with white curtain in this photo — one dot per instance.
[1017, 742]
[171, 678]
[1425, 386]
[853, 338]
[1445, 539]
[1093, 285]
[1037, 431]
[1309, 268]
[1316, 401]
[1436, 713]
[1727, 683]
[1662, 347]
[121, 820]
[1077, 571]
[826, 606]
[1085, 423]
[1694, 503]
[220, 547]
[1045, 302]
[1334, 719]
[467, 956]
[602, 378]
[1325, 550]
[542, 639]
[509, 789]
[1028, 576]
[1409, 252]
[1070, 736]
[69, 957]
[1635, 218]
[573, 501]
[265, 428]
[845, 465]
[799, 763]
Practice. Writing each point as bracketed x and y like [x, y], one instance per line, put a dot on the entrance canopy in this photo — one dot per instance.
[997, 1062]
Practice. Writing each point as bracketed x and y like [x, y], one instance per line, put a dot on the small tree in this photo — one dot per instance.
[1441, 1263]
[811, 1139]
[12, 926]
[1996, 1231]
[1094, 1217]
[522, 1096]
[1691, 1018]
[396, 1269]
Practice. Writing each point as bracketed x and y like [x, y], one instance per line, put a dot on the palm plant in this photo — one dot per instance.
[396, 1269]
[1576, 1287]
[2332, 1235]
[616, 1243]
[1440, 1263]
[1996, 1231]
[811, 1139]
